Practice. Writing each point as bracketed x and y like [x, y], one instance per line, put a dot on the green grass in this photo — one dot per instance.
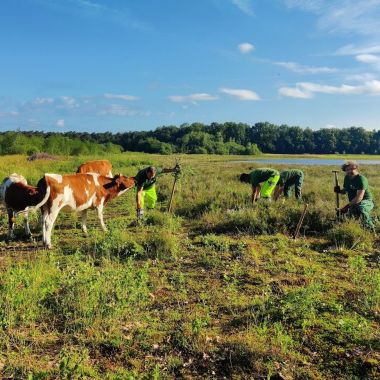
[218, 289]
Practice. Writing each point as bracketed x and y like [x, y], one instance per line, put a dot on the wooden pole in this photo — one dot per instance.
[172, 193]
[337, 195]
[297, 231]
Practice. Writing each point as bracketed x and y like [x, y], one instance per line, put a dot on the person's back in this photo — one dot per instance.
[263, 181]
[288, 179]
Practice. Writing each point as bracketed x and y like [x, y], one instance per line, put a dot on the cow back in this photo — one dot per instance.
[102, 167]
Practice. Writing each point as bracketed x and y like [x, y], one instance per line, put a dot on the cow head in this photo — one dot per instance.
[123, 183]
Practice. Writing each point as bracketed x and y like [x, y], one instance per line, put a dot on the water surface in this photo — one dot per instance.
[306, 161]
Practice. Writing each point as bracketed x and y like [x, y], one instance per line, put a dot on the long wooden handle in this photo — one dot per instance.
[297, 231]
[172, 194]
[337, 196]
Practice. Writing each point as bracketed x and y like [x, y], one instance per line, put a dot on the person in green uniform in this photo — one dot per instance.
[263, 181]
[146, 195]
[288, 179]
[360, 198]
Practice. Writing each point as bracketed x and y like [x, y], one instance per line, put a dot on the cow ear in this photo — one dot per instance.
[117, 179]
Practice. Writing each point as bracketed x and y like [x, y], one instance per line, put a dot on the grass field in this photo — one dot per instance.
[216, 290]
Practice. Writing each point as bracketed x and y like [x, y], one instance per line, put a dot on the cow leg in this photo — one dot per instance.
[99, 209]
[45, 214]
[52, 216]
[26, 226]
[11, 223]
[84, 221]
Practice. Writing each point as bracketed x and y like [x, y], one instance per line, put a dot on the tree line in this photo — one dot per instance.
[214, 138]
[54, 143]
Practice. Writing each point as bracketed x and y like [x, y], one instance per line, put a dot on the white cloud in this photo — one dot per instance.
[192, 98]
[290, 92]
[362, 77]
[368, 58]
[62, 107]
[60, 123]
[9, 114]
[343, 16]
[241, 94]
[120, 96]
[301, 69]
[42, 101]
[246, 47]
[357, 50]
[121, 110]
[67, 102]
[307, 89]
[244, 5]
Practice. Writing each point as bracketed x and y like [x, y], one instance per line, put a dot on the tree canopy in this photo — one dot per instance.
[215, 138]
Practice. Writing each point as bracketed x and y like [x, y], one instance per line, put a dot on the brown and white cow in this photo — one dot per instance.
[16, 195]
[102, 167]
[77, 192]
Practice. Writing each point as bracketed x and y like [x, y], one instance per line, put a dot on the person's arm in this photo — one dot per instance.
[358, 198]
[139, 195]
[255, 193]
[176, 168]
[277, 192]
[168, 170]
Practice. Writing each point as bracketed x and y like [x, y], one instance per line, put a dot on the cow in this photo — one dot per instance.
[16, 195]
[102, 167]
[77, 193]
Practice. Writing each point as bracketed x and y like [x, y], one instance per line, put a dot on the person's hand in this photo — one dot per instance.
[337, 189]
[140, 214]
[345, 209]
[177, 168]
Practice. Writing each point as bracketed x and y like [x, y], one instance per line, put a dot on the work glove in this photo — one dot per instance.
[337, 189]
[140, 214]
[177, 168]
[345, 209]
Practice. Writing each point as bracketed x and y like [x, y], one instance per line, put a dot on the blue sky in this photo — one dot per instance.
[117, 65]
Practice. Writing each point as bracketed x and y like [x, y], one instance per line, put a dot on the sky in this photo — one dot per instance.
[118, 66]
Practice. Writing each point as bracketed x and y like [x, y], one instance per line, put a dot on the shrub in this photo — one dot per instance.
[99, 297]
[349, 235]
[162, 219]
[161, 245]
[22, 288]
[118, 244]
[218, 243]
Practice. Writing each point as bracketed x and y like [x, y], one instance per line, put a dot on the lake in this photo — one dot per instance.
[306, 161]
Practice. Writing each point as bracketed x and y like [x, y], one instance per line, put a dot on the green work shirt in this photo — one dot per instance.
[352, 184]
[142, 180]
[261, 175]
[289, 175]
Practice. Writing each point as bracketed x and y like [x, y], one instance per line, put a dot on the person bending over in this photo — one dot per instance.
[288, 179]
[263, 181]
[146, 195]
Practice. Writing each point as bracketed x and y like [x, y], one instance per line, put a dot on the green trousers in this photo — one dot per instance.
[297, 182]
[268, 186]
[362, 211]
[149, 198]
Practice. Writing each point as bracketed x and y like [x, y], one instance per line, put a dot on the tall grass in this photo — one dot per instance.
[216, 289]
